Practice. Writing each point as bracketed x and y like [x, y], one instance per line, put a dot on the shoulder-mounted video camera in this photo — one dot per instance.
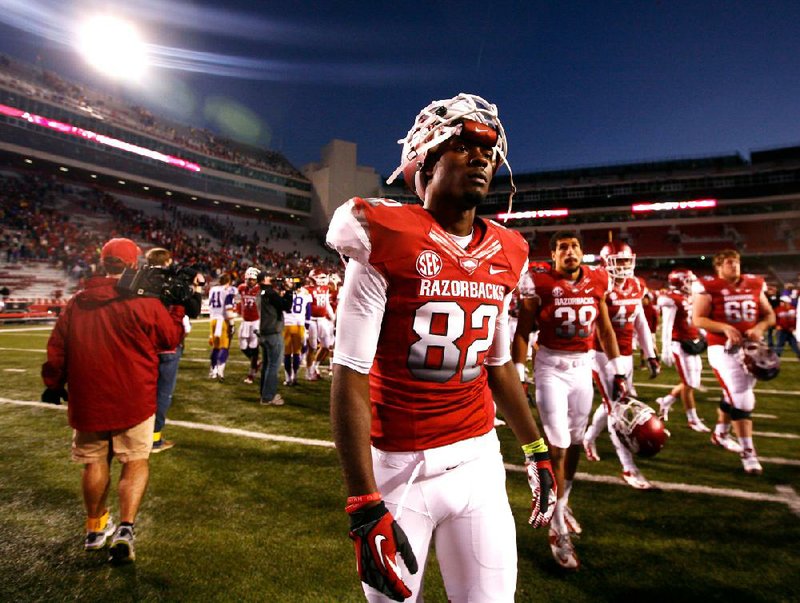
[171, 284]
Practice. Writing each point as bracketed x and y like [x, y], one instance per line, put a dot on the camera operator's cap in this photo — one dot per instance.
[123, 249]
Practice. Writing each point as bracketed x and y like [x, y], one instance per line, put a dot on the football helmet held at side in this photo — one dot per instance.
[760, 361]
[638, 427]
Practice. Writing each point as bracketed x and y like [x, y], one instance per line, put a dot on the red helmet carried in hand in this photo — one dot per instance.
[760, 361]
[682, 280]
[638, 427]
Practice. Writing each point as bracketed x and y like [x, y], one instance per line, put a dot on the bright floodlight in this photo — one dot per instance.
[113, 46]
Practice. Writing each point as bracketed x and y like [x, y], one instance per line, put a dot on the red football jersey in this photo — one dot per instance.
[248, 301]
[786, 317]
[567, 310]
[734, 304]
[682, 328]
[624, 304]
[321, 296]
[428, 382]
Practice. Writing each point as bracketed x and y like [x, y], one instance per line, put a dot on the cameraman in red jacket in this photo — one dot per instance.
[105, 347]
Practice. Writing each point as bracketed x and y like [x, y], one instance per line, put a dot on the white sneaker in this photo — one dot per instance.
[95, 541]
[635, 479]
[563, 551]
[726, 441]
[698, 426]
[277, 400]
[663, 408]
[248, 380]
[212, 373]
[573, 527]
[590, 448]
[750, 462]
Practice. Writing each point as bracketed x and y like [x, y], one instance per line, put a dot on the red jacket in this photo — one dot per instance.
[105, 348]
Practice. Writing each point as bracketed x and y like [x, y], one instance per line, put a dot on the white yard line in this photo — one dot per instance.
[785, 494]
[774, 434]
[719, 389]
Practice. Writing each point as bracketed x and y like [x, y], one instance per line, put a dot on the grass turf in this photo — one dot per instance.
[229, 518]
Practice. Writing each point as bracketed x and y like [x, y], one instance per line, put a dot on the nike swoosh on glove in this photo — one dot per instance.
[377, 539]
[542, 481]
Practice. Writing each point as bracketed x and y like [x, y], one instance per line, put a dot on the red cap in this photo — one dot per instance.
[123, 249]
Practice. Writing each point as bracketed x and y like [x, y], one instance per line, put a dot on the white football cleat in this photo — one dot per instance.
[750, 462]
[698, 426]
[563, 551]
[590, 448]
[573, 527]
[212, 372]
[636, 480]
[726, 441]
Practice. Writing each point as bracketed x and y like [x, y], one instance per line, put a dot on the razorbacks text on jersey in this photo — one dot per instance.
[567, 310]
[248, 301]
[734, 304]
[682, 327]
[624, 304]
[428, 383]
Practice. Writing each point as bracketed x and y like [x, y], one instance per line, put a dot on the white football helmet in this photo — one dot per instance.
[638, 427]
[336, 280]
[252, 273]
[320, 277]
[464, 115]
[618, 259]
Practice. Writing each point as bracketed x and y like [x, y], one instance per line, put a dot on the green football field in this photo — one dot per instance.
[248, 506]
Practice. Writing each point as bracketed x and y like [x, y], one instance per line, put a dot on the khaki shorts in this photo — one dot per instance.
[132, 444]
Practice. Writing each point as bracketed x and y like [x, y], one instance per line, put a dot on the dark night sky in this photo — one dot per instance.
[576, 83]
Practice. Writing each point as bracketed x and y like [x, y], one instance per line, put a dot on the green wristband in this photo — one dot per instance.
[534, 447]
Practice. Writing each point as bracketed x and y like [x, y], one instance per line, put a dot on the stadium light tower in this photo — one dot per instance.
[113, 46]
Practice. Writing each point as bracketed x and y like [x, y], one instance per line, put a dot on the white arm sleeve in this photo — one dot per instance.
[500, 351]
[347, 233]
[668, 313]
[643, 333]
[359, 317]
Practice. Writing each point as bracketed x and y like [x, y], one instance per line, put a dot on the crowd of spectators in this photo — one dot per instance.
[49, 220]
[38, 83]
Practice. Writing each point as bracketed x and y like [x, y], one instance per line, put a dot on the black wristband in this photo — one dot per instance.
[367, 515]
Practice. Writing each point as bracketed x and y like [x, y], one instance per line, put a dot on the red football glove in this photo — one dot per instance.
[542, 481]
[654, 366]
[619, 388]
[378, 538]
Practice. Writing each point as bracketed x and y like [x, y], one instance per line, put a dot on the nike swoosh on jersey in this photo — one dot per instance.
[493, 270]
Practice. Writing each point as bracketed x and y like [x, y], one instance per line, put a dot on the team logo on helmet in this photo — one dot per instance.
[638, 427]
[760, 361]
[618, 259]
[429, 264]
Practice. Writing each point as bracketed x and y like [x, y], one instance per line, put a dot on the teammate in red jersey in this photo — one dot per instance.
[732, 307]
[786, 323]
[320, 329]
[627, 319]
[248, 295]
[423, 348]
[681, 344]
[567, 303]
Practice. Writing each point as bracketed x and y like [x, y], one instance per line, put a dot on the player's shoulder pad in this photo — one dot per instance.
[514, 245]
[359, 224]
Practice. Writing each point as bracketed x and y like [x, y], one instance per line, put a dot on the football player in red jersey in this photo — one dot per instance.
[681, 344]
[248, 293]
[786, 322]
[627, 317]
[731, 307]
[320, 329]
[423, 348]
[567, 303]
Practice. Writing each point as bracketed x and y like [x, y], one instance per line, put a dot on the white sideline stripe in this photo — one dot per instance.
[774, 434]
[758, 415]
[786, 495]
[776, 460]
[719, 389]
[256, 435]
[790, 497]
[24, 330]
[43, 350]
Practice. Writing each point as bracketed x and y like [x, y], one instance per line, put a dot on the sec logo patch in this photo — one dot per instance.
[429, 264]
